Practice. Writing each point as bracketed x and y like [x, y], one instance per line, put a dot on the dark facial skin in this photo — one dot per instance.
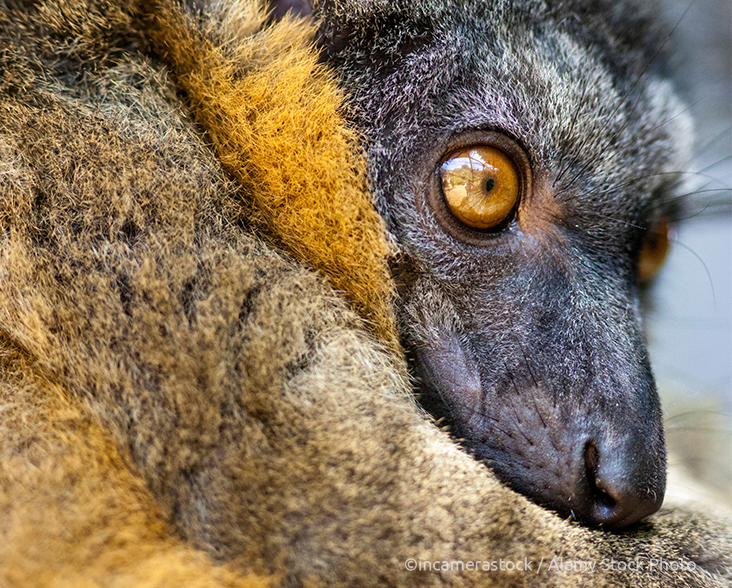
[526, 338]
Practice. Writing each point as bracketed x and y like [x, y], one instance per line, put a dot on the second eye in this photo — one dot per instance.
[481, 186]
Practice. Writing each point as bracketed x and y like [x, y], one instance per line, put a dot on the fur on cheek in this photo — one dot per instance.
[278, 131]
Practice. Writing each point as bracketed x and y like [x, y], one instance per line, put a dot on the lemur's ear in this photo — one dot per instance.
[280, 8]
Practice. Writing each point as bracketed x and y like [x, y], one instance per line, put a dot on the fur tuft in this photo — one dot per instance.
[278, 130]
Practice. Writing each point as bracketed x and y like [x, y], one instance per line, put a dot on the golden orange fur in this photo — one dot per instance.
[272, 123]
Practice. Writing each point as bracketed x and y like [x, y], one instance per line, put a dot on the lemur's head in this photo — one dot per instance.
[519, 153]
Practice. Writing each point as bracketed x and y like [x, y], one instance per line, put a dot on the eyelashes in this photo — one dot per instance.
[653, 251]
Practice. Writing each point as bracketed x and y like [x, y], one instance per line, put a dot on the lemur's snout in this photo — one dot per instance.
[609, 481]
[597, 482]
[613, 497]
[577, 447]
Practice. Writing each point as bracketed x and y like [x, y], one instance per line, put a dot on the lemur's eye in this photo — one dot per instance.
[478, 186]
[481, 186]
[653, 251]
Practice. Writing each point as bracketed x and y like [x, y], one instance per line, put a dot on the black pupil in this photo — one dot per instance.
[489, 185]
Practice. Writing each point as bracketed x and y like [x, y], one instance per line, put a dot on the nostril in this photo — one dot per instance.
[599, 497]
[615, 500]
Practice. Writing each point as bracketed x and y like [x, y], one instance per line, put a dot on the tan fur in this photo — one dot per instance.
[183, 405]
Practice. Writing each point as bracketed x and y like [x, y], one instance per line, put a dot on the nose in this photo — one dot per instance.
[609, 480]
[617, 488]
[598, 465]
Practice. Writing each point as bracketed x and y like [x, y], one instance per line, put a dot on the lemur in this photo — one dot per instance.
[521, 156]
[224, 233]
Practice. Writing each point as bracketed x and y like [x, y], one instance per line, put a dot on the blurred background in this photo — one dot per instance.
[690, 324]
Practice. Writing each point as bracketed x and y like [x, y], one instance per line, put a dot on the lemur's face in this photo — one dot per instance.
[520, 164]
